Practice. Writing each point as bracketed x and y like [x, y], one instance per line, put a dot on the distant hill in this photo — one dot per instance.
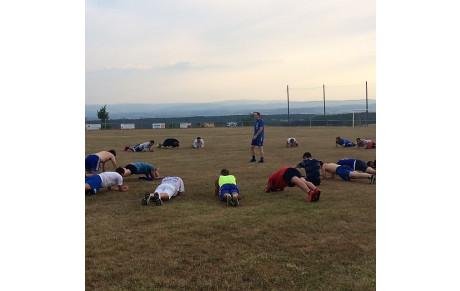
[235, 107]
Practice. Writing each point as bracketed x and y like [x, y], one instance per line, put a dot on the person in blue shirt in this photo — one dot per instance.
[258, 138]
[343, 142]
[139, 168]
[312, 169]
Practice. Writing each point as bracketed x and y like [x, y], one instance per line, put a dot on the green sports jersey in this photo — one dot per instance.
[229, 179]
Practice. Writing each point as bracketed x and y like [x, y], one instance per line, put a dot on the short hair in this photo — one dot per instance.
[369, 163]
[358, 139]
[198, 137]
[224, 172]
[120, 170]
[113, 152]
[175, 144]
[258, 113]
[321, 163]
[152, 141]
[307, 155]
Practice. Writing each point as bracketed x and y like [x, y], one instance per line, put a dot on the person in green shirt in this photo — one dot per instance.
[226, 188]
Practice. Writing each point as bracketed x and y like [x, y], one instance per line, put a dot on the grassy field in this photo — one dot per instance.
[273, 241]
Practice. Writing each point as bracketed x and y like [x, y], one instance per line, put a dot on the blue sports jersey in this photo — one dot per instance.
[345, 143]
[347, 162]
[258, 124]
[143, 168]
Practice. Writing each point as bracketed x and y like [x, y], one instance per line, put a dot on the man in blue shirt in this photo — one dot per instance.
[312, 169]
[343, 142]
[258, 138]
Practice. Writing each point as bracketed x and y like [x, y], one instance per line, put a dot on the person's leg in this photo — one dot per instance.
[228, 198]
[301, 184]
[253, 153]
[235, 198]
[358, 175]
[261, 151]
[371, 171]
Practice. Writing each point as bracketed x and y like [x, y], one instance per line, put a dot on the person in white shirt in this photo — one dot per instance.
[94, 183]
[198, 143]
[142, 147]
[169, 188]
[291, 142]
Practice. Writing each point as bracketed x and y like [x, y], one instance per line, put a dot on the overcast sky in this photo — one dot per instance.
[150, 51]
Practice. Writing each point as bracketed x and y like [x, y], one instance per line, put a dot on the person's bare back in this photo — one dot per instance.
[330, 168]
[105, 156]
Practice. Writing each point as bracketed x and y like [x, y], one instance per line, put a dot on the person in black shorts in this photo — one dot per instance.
[312, 169]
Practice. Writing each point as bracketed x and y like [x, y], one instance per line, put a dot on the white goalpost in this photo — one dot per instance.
[354, 111]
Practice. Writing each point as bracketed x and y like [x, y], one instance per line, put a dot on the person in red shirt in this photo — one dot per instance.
[290, 177]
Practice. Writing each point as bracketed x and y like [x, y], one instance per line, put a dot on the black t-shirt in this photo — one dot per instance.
[312, 170]
[171, 142]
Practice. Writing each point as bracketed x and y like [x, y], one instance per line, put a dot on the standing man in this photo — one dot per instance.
[258, 138]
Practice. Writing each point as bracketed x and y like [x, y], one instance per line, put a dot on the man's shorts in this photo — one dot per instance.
[132, 168]
[289, 174]
[344, 172]
[136, 148]
[316, 181]
[166, 188]
[259, 141]
[228, 188]
[92, 163]
[95, 182]
[361, 166]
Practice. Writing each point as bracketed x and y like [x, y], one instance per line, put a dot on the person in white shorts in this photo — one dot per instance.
[169, 188]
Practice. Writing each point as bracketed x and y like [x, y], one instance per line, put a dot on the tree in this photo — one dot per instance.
[103, 115]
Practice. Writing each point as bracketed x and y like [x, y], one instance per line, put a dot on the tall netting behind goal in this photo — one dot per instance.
[323, 100]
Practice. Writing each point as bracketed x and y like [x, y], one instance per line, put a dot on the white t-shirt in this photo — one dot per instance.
[197, 144]
[110, 179]
[176, 182]
[143, 146]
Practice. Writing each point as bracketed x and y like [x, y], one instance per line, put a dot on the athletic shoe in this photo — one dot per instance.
[229, 200]
[311, 195]
[157, 199]
[261, 161]
[317, 194]
[252, 161]
[146, 199]
[235, 201]
[372, 179]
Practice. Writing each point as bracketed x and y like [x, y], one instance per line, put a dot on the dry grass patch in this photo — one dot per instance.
[275, 241]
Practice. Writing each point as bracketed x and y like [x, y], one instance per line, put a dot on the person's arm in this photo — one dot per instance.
[258, 132]
[323, 172]
[114, 162]
[121, 188]
[268, 188]
[216, 187]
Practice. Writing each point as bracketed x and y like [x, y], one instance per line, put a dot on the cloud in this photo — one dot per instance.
[224, 45]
